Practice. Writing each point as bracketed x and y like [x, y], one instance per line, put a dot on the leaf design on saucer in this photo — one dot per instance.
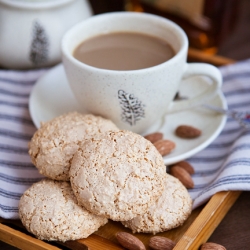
[132, 108]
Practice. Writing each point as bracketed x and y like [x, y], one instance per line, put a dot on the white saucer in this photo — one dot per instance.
[51, 96]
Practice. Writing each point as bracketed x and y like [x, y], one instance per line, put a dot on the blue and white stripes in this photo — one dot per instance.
[223, 165]
[16, 128]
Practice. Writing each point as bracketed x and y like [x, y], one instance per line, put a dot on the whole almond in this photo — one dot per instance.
[161, 243]
[189, 132]
[183, 176]
[164, 147]
[187, 166]
[154, 137]
[212, 246]
[129, 241]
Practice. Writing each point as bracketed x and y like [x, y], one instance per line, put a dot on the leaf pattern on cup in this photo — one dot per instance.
[39, 50]
[132, 108]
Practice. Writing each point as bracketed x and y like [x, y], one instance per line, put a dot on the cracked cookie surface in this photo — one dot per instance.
[118, 174]
[53, 145]
[170, 211]
[49, 210]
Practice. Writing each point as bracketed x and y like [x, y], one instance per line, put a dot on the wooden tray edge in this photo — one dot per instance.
[207, 221]
[21, 240]
[198, 233]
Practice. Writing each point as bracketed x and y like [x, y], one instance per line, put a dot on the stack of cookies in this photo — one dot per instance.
[97, 172]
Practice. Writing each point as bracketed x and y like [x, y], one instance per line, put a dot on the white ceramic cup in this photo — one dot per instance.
[135, 99]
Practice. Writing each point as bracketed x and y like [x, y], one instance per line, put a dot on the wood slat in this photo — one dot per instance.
[195, 55]
[96, 242]
[207, 220]
[21, 240]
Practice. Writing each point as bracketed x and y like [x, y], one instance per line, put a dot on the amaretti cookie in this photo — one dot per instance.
[170, 211]
[49, 210]
[117, 174]
[53, 145]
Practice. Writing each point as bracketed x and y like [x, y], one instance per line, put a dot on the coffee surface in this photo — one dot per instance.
[123, 51]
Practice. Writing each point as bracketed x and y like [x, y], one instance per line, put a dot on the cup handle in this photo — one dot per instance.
[198, 69]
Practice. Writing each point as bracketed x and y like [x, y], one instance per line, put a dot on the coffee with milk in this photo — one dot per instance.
[124, 51]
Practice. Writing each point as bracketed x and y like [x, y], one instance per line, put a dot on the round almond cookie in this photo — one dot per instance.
[49, 210]
[53, 145]
[170, 211]
[117, 174]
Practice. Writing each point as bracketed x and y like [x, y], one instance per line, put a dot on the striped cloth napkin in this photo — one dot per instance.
[223, 165]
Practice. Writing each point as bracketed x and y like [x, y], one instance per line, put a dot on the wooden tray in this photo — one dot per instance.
[195, 231]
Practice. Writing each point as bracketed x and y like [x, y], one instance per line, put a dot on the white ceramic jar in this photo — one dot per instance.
[31, 31]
